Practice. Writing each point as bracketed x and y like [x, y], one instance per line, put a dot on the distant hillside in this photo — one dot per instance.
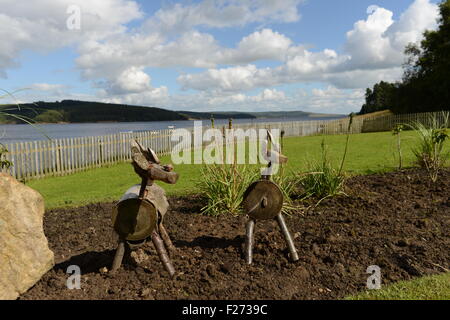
[254, 115]
[82, 111]
[72, 111]
[216, 115]
[293, 114]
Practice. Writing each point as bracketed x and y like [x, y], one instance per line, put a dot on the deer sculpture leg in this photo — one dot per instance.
[166, 238]
[162, 252]
[121, 247]
[249, 240]
[287, 237]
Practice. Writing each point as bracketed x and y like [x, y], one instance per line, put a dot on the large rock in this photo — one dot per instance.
[24, 253]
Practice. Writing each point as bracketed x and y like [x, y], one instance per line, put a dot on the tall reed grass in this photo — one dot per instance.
[429, 150]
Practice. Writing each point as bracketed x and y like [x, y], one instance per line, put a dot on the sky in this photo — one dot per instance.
[210, 55]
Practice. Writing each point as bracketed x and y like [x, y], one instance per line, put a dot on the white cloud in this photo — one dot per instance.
[372, 8]
[333, 100]
[260, 45]
[133, 86]
[132, 80]
[115, 57]
[239, 78]
[359, 78]
[267, 95]
[110, 58]
[270, 94]
[46, 92]
[373, 52]
[379, 41]
[151, 97]
[330, 100]
[47, 87]
[366, 43]
[40, 25]
[421, 15]
[220, 14]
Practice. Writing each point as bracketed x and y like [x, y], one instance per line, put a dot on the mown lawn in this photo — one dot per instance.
[426, 288]
[368, 153]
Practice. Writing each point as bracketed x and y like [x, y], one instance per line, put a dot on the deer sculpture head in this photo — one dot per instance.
[148, 166]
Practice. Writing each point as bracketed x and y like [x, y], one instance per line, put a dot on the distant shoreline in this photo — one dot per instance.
[310, 116]
[75, 111]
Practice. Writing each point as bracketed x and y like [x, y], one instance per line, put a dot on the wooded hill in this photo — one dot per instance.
[83, 111]
[72, 111]
[255, 115]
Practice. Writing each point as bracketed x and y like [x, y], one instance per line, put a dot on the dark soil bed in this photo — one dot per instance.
[398, 221]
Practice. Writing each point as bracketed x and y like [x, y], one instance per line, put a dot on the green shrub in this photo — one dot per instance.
[429, 149]
[321, 180]
[224, 185]
[288, 186]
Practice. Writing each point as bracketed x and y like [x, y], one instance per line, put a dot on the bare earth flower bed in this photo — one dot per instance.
[399, 221]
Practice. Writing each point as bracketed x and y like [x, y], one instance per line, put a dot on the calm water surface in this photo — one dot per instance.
[23, 132]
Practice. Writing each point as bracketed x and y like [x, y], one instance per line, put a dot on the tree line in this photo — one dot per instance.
[425, 85]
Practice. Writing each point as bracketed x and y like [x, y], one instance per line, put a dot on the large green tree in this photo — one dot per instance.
[426, 82]
[425, 85]
[379, 98]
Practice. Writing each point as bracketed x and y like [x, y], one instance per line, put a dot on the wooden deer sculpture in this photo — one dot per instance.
[139, 214]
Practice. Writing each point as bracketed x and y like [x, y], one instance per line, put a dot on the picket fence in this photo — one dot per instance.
[57, 157]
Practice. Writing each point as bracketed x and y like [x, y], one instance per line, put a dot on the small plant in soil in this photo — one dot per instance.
[224, 185]
[397, 132]
[287, 183]
[322, 180]
[349, 130]
[429, 151]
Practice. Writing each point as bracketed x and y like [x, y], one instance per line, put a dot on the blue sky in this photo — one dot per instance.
[255, 55]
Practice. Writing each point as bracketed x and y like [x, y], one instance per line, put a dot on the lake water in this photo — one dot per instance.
[23, 132]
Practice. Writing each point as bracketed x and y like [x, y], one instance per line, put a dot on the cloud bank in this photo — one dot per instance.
[115, 57]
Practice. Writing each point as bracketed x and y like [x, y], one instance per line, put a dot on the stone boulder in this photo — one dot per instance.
[24, 253]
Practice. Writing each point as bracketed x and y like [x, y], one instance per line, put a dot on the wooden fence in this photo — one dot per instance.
[37, 159]
[388, 122]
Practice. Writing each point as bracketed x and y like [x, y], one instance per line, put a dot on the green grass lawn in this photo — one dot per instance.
[425, 288]
[368, 153]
